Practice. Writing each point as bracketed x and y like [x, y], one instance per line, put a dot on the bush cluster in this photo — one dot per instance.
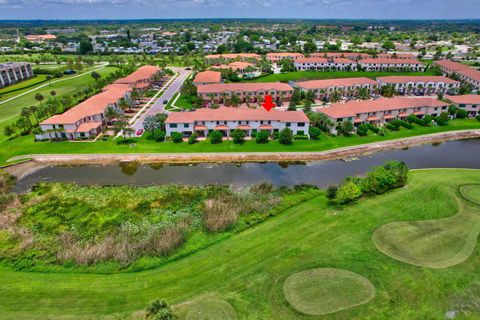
[392, 174]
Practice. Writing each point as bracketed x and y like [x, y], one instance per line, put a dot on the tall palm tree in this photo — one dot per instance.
[34, 110]
[39, 98]
[26, 113]
[123, 104]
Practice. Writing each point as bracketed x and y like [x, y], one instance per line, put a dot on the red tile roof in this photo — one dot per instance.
[143, 73]
[284, 54]
[236, 114]
[208, 77]
[470, 73]
[343, 60]
[398, 56]
[452, 65]
[88, 126]
[465, 99]
[406, 79]
[99, 102]
[233, 56]
[352, 108]
[312, 60]
[240, 65]
[390, 61]
[92, 106]
[244, 87]
[327, 83]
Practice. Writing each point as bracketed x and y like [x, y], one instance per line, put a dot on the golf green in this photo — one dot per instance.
[324, 291]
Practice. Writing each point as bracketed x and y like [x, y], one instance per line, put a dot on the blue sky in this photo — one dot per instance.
[342, 9]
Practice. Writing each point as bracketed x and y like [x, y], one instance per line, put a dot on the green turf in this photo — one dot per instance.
[15, 89]
[248, 269]
[27, 145]
[324, 291]
[313, 75]
[206, 309]
[471, 192]
[434, 243]
[10, 111]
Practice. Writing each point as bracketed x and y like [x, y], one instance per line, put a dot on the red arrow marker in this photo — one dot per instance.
[268, 104]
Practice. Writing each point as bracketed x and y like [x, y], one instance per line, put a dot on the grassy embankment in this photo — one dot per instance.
[314, 75]
[10, 110]
[249, 269]
[27, 145]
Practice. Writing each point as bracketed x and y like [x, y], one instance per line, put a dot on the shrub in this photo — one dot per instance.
[362, 130]
[461, 114]
[159, 310]
[348, 192]
[398, 122]
[332, 191]
[276, 134]
[160, 135]
[300, 137]
[428, 119]
[193, 138]
[262, 137]
[177, 137]
[238, 136]
[478, 117]
[216, 137]
[373, 128]
[413, 119]
[392, 127]
[345, 128]
[285, 136]
[442, 119]
[314, 133]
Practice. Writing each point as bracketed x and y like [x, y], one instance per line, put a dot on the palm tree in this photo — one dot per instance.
[123, 104]
[34, 110]
[111, 113]
[335, 96]
[39, 98]
[54, 94]
[235, 100]
[26, 113]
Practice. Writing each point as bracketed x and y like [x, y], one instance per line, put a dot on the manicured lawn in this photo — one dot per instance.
[10, 111]
[11, 91]
[434, 243]
[26, 145]
[326, 290]
[313, 75]
[248, 270]
[183, 103]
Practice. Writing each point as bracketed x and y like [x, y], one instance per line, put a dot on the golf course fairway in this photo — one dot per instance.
[248, 270]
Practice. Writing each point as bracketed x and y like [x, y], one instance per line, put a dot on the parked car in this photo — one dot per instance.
[140, 132]
[165, 101]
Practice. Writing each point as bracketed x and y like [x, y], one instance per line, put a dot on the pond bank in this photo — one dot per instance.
[39, 161]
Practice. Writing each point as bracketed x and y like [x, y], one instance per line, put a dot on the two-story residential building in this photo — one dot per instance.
[246, 92]
[346, 87]
[225, 120]
[382, 64]
[421, 84]
[468, 102]
[14, 72]
[383, 110]
[207, 77]
[304, 64]
[87, 119]
[397, 55]
[354, 56]
[228, 57]
[462, 71]
[276, 57]
[240, 67]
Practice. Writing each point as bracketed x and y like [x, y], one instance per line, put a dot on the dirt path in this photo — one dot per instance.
[41, 160]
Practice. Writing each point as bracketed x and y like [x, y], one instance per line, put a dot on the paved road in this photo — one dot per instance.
[167, 95]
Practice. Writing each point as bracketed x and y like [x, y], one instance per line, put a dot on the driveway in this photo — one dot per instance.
[158, 106]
